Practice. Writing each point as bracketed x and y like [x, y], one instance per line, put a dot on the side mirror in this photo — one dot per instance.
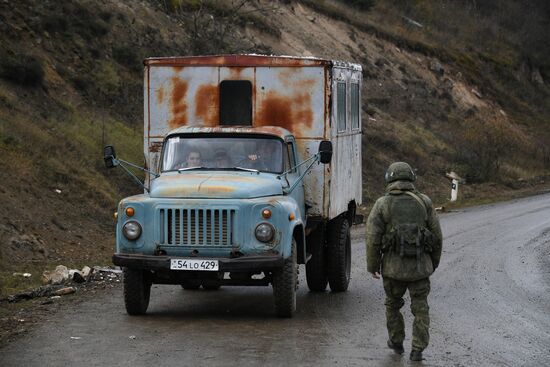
[325, 151]
[109, 156]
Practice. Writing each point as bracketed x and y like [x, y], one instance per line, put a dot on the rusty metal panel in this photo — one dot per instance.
[238, 60]
[314, 181]
[293, 98]
[182, 96]
[237, 73]
[346, 170]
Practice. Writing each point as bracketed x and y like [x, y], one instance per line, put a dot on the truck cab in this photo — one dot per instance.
[253, 168]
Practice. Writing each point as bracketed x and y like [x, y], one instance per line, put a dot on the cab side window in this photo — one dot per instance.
[290, 159]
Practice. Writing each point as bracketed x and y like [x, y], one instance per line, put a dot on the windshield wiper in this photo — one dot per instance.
[190, 168]
[246, 169]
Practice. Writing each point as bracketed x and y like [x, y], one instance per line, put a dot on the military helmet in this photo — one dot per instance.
[399, 171]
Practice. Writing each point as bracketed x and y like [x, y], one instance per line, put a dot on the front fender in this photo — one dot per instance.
[295, 228]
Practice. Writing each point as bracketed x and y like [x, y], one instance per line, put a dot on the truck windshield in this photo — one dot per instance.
[223, 153]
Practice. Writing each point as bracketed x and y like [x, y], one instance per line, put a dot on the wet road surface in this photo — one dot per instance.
[490, 305]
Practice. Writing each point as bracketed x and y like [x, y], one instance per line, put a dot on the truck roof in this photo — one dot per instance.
[263, 130]
[248, 60]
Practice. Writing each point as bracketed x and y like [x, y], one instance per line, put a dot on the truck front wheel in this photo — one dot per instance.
[339, 254]
[285, 282]
[137, 291]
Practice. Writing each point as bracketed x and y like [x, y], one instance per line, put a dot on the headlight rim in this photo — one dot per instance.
[268, 225]
[125, 230]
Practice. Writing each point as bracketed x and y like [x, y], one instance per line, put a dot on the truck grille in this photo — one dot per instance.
[196, 227]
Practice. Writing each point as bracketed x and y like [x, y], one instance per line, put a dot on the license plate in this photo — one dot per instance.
[194, 264]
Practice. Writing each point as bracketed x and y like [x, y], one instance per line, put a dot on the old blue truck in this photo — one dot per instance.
[253, 168]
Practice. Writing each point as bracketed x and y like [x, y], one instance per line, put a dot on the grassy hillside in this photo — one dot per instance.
[448, 85]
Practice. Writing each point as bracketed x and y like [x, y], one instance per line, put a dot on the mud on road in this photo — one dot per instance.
[489, 306]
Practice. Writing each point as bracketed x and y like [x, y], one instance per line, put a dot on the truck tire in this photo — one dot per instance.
[285, 281]
[137, 291]
[339, 255]
[316, 274]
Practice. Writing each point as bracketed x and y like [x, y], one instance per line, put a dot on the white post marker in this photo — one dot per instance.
[455, 179]
[454, 189]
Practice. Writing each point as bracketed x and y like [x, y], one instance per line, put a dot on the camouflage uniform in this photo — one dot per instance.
[401, 273]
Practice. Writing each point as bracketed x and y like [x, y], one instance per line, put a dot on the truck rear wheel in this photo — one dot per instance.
[316, 274]
[137, 291]
[285, 282]
[339, 254]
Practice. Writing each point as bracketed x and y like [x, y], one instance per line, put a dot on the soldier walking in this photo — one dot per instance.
[404, 246]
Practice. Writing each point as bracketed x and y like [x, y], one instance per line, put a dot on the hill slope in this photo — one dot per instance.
[442, 96]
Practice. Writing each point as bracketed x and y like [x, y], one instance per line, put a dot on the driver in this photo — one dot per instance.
[193, 159]
[222, 159]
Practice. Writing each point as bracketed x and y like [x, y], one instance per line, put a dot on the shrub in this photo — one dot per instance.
[22, 69]
[55, 23]
[107, 80]
[128, 56]
[482, 146]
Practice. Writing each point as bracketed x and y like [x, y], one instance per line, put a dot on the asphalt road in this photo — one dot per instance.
[490, 305]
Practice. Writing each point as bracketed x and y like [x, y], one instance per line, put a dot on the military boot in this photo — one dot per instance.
[397, 348]
[416, 355]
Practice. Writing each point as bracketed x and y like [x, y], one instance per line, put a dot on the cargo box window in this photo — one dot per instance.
[236, 102]
[341, 105]
[354, 106]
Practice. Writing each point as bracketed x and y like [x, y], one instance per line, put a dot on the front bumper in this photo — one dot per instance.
[238, 264]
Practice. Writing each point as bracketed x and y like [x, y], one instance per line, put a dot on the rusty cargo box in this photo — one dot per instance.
[315, 99]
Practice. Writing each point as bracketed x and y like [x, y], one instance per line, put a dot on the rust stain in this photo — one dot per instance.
[236, 72]
[160, 95]
[275, 109]
[179, 105]
[218, 188]
[303, 113]
[290, 112]
[184, 191]
[207, 104]
[308, 83]
[155, 147]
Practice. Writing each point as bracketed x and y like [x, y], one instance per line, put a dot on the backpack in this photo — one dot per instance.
[407, 236]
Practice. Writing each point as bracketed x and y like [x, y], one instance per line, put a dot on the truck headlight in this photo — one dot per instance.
[264, 232]
[131, 230]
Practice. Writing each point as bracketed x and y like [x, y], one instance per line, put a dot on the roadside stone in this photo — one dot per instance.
[86, 271]
[58, 276]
